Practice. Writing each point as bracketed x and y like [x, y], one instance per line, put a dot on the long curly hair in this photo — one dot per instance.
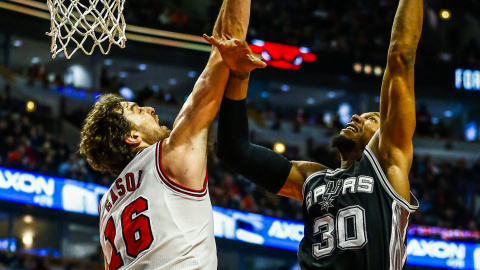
[103, 136]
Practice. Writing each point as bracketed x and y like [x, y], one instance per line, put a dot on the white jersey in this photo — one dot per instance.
[149, 222]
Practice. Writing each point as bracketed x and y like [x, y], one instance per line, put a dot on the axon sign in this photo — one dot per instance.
[467, 79]
[437, 253]
[257, 229]
[26, 182]
[436, 249]
[284, 230]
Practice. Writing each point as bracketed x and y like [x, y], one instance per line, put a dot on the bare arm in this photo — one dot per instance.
[187, 143]
[393, 146]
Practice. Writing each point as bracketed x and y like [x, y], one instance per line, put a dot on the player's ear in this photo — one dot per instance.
[133, 138]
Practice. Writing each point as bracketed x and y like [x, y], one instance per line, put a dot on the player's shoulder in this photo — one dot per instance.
[307, 168]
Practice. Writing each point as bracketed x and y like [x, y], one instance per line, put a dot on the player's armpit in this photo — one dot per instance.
[395, 163]
[300, 171]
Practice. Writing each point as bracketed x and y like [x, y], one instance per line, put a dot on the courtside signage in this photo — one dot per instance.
[444, 254]
[48, 191]
[257, 229]
[79, 197]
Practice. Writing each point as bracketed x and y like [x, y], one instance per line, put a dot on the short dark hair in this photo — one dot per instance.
[103, 136]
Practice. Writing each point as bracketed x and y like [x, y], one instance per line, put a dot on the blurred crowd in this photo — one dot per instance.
[25, 261]
[449, 193]
[358, 29]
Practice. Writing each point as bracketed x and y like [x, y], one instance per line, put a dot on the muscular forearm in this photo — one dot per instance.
[232, 21]
[407, 26]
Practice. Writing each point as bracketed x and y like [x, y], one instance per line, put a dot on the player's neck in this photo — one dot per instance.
[143, 145]
[348, 158]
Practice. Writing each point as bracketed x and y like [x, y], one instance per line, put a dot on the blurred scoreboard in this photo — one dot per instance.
[79, 197]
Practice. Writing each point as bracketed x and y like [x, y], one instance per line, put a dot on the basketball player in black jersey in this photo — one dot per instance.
[355, 216]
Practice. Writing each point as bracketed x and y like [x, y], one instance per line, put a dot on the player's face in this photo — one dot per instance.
[361, 128]
[145, 121]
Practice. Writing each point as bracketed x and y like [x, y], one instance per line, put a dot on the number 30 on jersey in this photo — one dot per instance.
[349, 228]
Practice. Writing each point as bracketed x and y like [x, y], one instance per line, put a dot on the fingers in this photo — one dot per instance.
[257, 62]
[238, 42]
[212, 40]
[260, 64]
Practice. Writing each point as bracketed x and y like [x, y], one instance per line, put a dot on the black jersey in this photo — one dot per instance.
[354, 219]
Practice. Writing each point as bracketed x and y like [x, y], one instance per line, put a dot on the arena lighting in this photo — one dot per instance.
[285, 88]
[172, 81]
[30, 106]
[471, 131]
[357, 67]
[367, 69]
[332, 94]
[28, 219]
[107, 62]
[281, 55]
[445, 14]
[310, 101]
[378, 71]
[155, 88]
[192, 74]
[17, 43]
[279, 147]
[345, 113]
[35, 60]
[27, 238]
[127, 93]
[123, 74]
[142, 67]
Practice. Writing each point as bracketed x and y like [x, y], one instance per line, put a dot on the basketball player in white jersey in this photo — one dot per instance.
[157, 213]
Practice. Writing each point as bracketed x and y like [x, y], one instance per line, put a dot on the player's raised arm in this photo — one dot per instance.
[187, 144]
[397, 99]
[260, 165]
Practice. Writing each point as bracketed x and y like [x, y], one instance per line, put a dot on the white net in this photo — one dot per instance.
[86, 25]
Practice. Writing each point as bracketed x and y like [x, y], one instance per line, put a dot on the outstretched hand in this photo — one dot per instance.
[236, 54]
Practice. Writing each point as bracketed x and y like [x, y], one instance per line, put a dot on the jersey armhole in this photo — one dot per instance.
[310, 177]
[177, 188]
[410, 207]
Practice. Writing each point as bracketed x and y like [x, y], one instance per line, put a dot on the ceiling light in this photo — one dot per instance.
[17, 43]
[35, 60]
[279, 148]
[445, 14]
[367, 69]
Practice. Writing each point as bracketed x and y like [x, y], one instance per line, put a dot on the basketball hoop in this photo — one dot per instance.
[94, 23]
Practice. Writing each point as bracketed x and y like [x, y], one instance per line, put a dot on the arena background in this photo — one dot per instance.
[49, 194]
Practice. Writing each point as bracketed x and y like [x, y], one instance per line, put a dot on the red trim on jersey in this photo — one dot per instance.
[177, 187]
